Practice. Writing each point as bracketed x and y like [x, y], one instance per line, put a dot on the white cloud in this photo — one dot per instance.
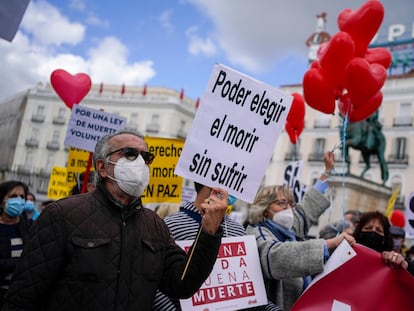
[108, 63]
[198, 45]
[46, 24]
[165, 20]
[78, 5]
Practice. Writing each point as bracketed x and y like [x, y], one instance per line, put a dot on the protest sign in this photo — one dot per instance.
[234, 133]
[77, 164]
[164, 185]
[409, 216]
[359, 281]
[11, 15]
[58, 187]
[292, 179]
[236, 281]
[87, 126]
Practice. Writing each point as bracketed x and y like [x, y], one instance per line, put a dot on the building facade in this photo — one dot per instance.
[33, 126]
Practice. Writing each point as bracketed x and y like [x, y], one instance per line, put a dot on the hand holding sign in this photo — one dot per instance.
[70, 88]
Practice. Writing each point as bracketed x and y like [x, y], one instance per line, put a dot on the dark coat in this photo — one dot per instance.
[7, 263]
[88, 253]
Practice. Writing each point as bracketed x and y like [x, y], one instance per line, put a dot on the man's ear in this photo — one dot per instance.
[100, 168]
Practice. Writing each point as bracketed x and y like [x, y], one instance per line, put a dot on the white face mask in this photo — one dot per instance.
[284, 218]
[131, 176]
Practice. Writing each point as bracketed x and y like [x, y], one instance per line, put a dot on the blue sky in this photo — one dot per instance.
[172, 43]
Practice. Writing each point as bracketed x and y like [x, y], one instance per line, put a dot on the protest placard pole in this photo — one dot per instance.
[191, 253]
[86, 175]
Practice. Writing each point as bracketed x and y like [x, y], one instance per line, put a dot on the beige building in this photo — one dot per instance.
[33, 126]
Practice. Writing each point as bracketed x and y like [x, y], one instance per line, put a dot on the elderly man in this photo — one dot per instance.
[103, 251]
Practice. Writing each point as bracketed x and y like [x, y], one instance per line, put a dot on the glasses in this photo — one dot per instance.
[131, 154]
[284, 203]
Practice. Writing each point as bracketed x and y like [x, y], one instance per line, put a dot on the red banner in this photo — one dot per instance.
[362, 283]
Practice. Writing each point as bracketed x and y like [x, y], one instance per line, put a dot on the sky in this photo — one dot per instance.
[172, 43]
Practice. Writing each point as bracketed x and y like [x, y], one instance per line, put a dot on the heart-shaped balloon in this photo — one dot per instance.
[70, 88]
[318, 91]
[360, 112]
[294, 132]
[380, 56]
[362, 24]
[363, 80]
[296, 113]
[336, 56]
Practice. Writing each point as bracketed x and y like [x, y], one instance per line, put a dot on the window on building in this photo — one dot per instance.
[56, 136]
[293, 153]
[319, 150]
[404, 115]
[181, 130]
[154, 126]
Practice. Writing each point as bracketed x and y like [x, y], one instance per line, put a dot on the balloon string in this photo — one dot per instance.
[344, 165]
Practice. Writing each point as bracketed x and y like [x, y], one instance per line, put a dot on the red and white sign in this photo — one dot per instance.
[236, 281]
[360, 282]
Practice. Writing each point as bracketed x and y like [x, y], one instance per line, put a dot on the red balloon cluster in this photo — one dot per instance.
[295, 120]
[347, 70]
[70, 88]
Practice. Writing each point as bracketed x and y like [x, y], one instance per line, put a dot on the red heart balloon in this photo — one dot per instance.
[362, 24]
[336, 56]
[294, 132]
[362, 111]
[380, 56]
[70, 88]
[363, 80]
[318, 91]
[296, 113]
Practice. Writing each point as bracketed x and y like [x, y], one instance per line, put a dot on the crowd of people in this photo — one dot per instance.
[103, 250]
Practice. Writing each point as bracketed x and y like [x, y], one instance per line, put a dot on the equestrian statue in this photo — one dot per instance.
[366, 136]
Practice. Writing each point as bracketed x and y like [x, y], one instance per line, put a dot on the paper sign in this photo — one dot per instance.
[236, 281]
[11, 15]
[364, 282]
[77, 164]
[234, 133]
[87, 126]
[409, 216]
[58, 187]
[292, 179]
[164, 185]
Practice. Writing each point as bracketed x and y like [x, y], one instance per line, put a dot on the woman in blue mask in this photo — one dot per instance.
[13, 229]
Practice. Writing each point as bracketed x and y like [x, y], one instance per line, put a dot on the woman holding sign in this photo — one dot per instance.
[280, 227]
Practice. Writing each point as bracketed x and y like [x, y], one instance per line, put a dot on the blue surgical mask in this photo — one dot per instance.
[15, 206]
[231, 199]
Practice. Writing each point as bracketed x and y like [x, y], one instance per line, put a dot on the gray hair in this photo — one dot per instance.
[102, 147]
[266, 196]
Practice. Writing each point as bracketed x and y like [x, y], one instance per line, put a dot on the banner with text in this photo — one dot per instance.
[409, 216]
[236, 281]
[77, 164]
[164, 185]
[234, 133]
[58, 187]
[87, 126]
[362, 274]
[291, 178]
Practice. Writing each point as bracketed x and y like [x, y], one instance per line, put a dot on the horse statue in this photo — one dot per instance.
[367, 137]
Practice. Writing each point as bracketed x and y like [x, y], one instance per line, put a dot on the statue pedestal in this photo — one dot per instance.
[352, 192]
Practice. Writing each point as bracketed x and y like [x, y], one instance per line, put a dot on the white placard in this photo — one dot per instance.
[236, 281]
[87, 126]
[234, 133]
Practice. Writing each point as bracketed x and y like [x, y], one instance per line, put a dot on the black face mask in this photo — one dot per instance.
[372, 240]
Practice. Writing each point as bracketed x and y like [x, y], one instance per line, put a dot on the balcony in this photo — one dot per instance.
[38, 118]
[59, 121]
[398, 159]
[293, 156]
[322, 123]
[153, 128]
[32, 142]
[403, 121]
[53, 145]
[316, 157]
